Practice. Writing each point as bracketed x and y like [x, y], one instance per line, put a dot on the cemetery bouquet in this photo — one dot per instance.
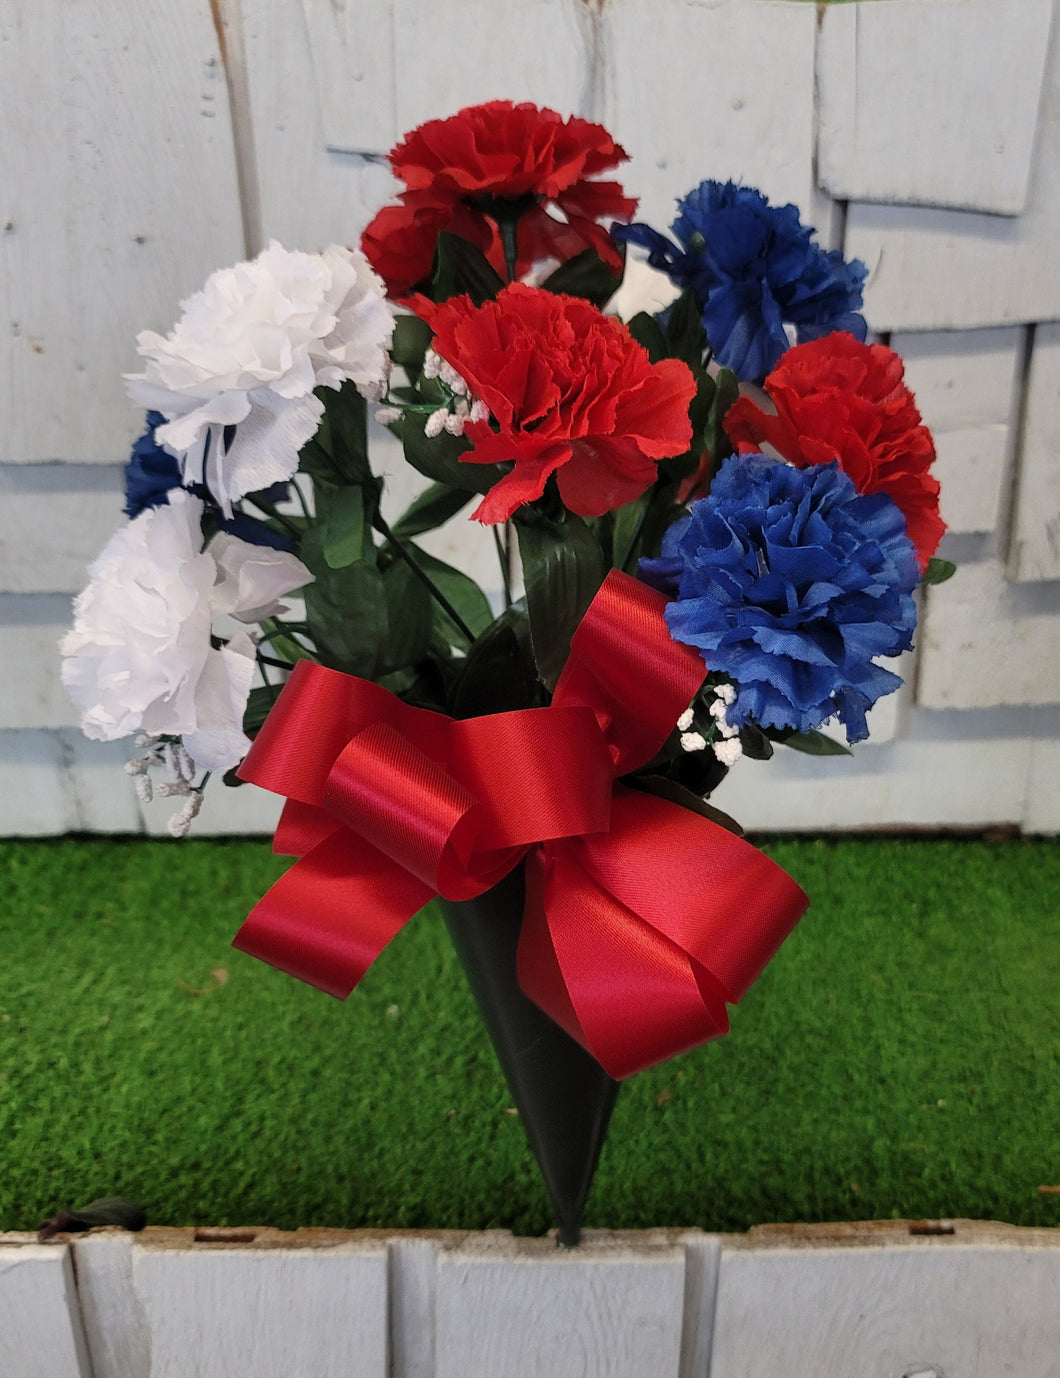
[710, 525]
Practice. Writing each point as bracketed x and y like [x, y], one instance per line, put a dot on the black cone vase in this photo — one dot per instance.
[563, 1095]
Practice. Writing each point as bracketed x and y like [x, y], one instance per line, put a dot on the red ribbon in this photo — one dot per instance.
[642, 918]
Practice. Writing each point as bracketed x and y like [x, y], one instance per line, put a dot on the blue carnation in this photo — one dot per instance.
[151, 471]
[753, 267]
[790, 584]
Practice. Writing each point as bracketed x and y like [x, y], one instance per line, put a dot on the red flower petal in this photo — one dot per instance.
[570, 390]
[838, 399]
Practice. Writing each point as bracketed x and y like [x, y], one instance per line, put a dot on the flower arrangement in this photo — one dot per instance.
[710, 525]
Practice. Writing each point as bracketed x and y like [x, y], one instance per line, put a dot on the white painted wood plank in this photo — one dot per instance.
[948, 770]
[960, 378]
[352, 47]
[896, 124]
[953, 1310]
[985, 642]
[116, 1328]
[702, 1262]
[309, 196]
[1035, 548]
[54, 520]
[223, 1312]
[30, 627]
[511, 1307]
[966, 385]
[453, 53]
[1043, 776]
[226, 811]
[33, 797]
[718, 89]
[40, 1325]
[119, 196]
[945, 269]
[57, 781]
[412, 1270]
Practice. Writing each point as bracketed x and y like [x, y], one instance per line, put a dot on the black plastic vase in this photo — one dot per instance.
[563, 1095]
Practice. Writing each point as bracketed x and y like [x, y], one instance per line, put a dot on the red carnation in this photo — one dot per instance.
[454, 168]
[570, 391]
[837, 399]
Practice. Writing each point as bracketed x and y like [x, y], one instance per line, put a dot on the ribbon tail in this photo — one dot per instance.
[327, 919]
[636, 959]
[626, 993]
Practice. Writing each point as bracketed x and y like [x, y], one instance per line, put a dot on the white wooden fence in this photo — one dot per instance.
[146, 142]
[886, 1300]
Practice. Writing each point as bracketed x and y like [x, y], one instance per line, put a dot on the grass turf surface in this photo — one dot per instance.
[899, 1058]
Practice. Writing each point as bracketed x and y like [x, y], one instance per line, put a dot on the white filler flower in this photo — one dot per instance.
[139, 659]
[247, 353]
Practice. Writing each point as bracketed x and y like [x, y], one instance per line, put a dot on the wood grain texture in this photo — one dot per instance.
[116, 1328]
[961, 1311]
[967, 384]
[717, 90]
[412, 1269]
[30, 627]
[223, 1311]
[58, 781]
[896, 124]
[947, 269]
[986, 642]
[946, 770]
[1035, 544]
[309, 196]
[452, 53]
[119, 196]
[40, 1324]
[510, 1307]
[77, 507]
[352, 48]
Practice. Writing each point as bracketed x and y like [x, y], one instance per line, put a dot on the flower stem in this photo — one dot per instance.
[503, 548]
[424, 578]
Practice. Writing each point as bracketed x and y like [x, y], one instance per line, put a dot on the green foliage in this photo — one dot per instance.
[938, 571]
[439, 458]
[430, 510]
[461, 268]
[563, 566]
[812, 743]
[586, 275]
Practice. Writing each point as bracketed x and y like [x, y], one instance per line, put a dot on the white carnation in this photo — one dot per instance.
[248, 351]
[139, 658]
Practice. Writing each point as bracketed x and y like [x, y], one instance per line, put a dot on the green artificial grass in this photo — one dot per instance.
[899, 1058]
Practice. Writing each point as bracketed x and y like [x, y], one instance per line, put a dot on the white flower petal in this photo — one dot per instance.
[219, 742]
[252, 578]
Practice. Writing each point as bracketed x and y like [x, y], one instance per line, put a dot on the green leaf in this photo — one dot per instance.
[815, 744]
[726, 391]
[586, 275]
[410, 614]
[432, 509]
[677, 794]
[685, 336]
[498, 675]
[463, 593]
[342, 524]
[343, 434]
[459, 267]
[259, 706]
[628, 528]
[412, 339]
[938, 571]
[647, 331]
[563, 566]
[345, 609]
[439, 458]
[756, 745]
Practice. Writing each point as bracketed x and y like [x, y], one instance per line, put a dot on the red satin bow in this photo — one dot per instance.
[642, 919]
